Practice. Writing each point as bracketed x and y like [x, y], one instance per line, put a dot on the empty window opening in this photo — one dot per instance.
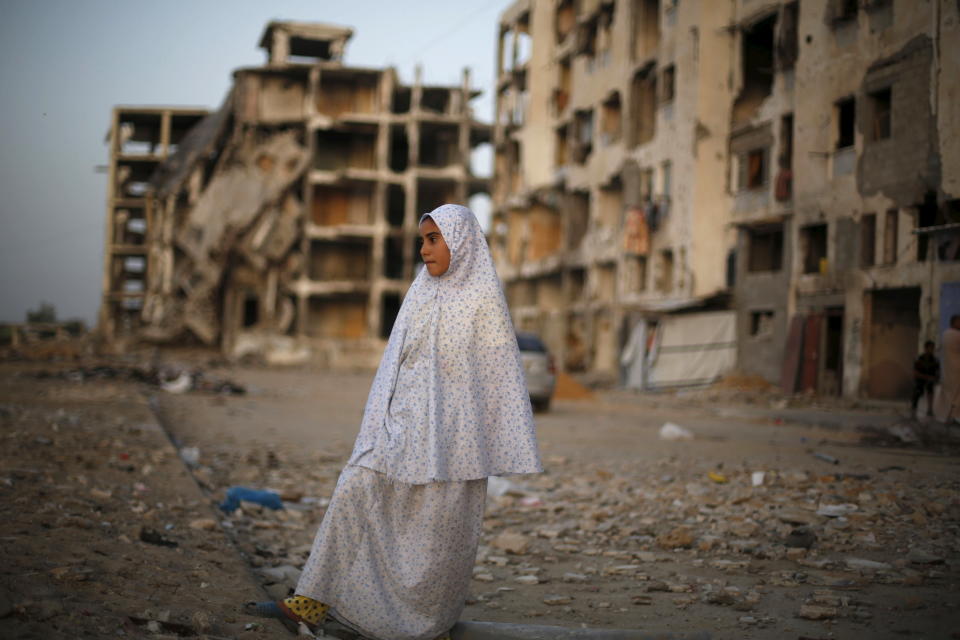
[756, 68]
[393, 257]
[846, 122]
[761, 323]
[562, 147]
[587, 40]
[400, 102]
[578, 281]
[643, 107]
[880, 110]
[549, 293]
[611, 118]
[336, 205]
[561, 94]
[251, 310]
[512, 166]
[753, 169]
[813, 241]
[132, 286]
[340, 260]
[666, 179]
[765, 249]
[481, 159]
[583, 135]
[668, 84]
[605, 33]
[482, 206]
[665, 281]
[396, 205]
[521, 294]
[280, 97]
[890, 239]
[133, 177]
[439, 145]
[516, 235]
[339, 317]
[578, 217]
[606, 282]
[341, 93]
[611, 205]
[564, 20]
[868, 240]
[337, 150]
[646, 184]
[433, 193]
[833, 342]
[523, 42]
[138, 134]
[389, 308]
[545, 232]
[399, 149]
[635, 273]
[786, 142]
[435, 100]
[646, 28]
[843, 10]
[135, 264]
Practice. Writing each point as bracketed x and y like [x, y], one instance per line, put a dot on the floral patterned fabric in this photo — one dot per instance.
[449, 401]
[394, 560]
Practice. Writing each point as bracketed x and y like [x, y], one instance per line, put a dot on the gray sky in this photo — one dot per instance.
[65, 63]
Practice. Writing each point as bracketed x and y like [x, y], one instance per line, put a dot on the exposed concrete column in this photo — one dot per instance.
[165, 124]
[280, 47]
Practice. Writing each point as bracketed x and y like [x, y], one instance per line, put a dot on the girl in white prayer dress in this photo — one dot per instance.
[448, 408]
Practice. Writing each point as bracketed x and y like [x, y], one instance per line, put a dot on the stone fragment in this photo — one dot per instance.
[203, 524]
[680, 537]
[527, 579]
[817, 612]
[863, 564]
[511, 542]
[555, 600]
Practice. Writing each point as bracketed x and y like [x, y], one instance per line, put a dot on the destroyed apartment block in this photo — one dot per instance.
[806, 206]
[286, 223]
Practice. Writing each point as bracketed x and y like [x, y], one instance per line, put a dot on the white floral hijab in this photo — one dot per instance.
[449, 401]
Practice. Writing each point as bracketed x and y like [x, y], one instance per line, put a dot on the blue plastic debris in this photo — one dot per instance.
[235, 495]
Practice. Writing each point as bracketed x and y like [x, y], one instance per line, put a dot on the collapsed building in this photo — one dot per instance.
[289, 216]
[789, 162]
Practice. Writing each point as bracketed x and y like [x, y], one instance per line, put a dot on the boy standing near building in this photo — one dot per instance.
[926, 372]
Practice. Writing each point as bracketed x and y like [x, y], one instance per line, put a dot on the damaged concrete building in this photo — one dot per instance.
[610, 199]
[792, 162]
[289, 216]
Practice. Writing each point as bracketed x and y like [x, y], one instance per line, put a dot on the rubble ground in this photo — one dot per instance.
[625, 529]
[740, 530]
[104, 532]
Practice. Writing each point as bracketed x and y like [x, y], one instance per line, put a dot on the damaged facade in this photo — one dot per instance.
[610, 198]
[654, 154]
[289, 216]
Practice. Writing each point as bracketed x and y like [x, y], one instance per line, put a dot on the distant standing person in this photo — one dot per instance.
[926, 372]
[947, 405]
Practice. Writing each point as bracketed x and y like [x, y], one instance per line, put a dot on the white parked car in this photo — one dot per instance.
[538, 367]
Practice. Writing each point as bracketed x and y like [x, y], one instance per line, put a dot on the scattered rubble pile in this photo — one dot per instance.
[172, 379]
[590, 542]
[100, 527]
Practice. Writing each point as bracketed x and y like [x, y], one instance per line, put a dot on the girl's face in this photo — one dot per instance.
[434, 250]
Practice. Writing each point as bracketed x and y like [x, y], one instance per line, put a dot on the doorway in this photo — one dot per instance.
[894, 336]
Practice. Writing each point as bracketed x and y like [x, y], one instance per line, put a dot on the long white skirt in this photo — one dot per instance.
[394, 560]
